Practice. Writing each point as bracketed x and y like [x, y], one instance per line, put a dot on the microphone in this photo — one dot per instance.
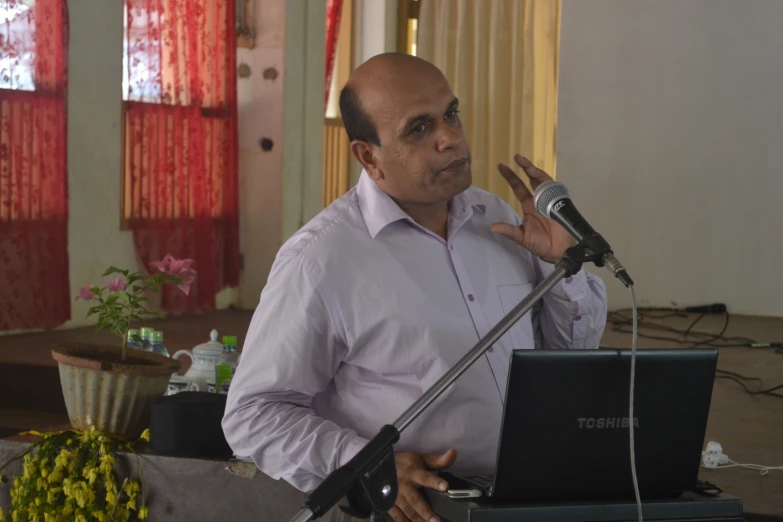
[553, 201]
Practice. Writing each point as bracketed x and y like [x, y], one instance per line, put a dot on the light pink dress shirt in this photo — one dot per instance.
[364, 310]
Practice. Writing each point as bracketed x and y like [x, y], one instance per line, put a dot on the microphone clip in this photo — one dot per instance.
[593, 248]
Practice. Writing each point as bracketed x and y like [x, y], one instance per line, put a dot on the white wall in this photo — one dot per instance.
[303, 112]
[669, 135]
[94, 147]
[280, 189]
[260, 107]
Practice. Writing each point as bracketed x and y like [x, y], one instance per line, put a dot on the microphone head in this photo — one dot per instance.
[547, 194]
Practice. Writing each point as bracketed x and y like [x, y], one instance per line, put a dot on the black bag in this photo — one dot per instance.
[187, 424]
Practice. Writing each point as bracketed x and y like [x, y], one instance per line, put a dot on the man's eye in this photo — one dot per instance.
[418, 129]
[452, 114]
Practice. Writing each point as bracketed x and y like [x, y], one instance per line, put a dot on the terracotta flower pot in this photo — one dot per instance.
[114, 395]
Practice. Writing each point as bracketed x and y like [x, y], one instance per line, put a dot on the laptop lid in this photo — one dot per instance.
[565, 423]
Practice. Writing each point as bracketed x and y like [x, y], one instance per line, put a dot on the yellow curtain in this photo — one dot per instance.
[500, 57]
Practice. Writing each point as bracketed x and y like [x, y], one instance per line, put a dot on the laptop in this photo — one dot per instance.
[564, 434]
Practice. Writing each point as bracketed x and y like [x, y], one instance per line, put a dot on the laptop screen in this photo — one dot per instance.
[565, 423]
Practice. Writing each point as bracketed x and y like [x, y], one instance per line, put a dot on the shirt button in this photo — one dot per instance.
[470, 296]
[578, 318]
[569, 279]
[491, 349]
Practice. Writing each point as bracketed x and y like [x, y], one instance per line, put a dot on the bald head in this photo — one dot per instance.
[405, 130]
[376, 85]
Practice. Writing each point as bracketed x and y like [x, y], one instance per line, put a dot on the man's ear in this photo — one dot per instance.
[365, 154]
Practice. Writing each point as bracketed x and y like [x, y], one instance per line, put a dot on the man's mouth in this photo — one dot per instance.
[456, 164]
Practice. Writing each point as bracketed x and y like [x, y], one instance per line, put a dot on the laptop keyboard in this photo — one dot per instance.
[486, 481]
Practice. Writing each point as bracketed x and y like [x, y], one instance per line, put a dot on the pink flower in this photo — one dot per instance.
[179, 268]
[116, 284]
[85, 293]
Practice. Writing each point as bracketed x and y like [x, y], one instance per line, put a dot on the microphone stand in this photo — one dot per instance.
[369, 479]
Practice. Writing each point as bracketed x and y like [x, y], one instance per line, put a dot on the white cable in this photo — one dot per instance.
[714, 458]
[763, 470]
[630, 408]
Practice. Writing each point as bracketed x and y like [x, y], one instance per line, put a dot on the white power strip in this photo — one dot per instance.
[713, 458]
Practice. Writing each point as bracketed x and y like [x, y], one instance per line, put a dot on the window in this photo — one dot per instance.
[18, 53]
[34, 279]
[180, 170]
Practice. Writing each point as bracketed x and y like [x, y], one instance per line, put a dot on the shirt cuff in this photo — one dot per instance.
[352, 447]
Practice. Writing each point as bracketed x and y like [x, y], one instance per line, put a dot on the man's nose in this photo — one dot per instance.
[449, 137]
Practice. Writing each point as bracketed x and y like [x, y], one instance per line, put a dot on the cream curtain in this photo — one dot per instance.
[500, 57]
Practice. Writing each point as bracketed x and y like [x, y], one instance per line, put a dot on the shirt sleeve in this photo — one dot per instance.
[573, 313]
[292, 351]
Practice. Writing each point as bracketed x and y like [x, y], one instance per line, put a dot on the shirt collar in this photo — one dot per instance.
[379, 209]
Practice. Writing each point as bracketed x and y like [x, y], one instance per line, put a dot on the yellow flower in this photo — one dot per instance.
[44, 472]
[61, 460]
[131, 488]
[2, 515]
[111, 498]
[38, 501]
[80, 518]
[145, 435]
[55, 477]
[16, 482]
[143, 513]
[31, 432]
[131, 504]
[108, 459]
[69, 442]
[100, 516]
[90, 473]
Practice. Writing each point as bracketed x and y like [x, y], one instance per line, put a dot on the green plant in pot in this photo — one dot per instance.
[108, 386]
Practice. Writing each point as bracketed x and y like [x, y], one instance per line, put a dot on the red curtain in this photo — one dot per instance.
[34, 287]
[334, 9]
[180, 166]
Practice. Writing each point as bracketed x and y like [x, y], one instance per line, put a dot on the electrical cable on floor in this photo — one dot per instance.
[645, 318]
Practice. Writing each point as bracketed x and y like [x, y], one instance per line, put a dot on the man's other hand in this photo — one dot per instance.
[414, 470]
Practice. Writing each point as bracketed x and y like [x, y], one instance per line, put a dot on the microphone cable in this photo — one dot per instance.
[630, 408]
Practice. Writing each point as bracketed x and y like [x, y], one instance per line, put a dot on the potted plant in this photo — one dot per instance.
[106, 386]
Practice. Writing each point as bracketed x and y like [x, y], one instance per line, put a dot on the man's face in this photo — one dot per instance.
[424, 157]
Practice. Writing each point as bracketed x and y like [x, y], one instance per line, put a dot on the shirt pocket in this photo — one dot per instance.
[521, 334]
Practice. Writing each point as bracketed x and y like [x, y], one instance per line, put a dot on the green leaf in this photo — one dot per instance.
[115, 270]
[119, 294]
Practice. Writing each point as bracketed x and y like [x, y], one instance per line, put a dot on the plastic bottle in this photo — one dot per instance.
[156, 345]
[146, 337]
[226, 364]
[133, 340]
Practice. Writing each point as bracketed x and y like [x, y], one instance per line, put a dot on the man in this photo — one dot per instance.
[380, 294]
